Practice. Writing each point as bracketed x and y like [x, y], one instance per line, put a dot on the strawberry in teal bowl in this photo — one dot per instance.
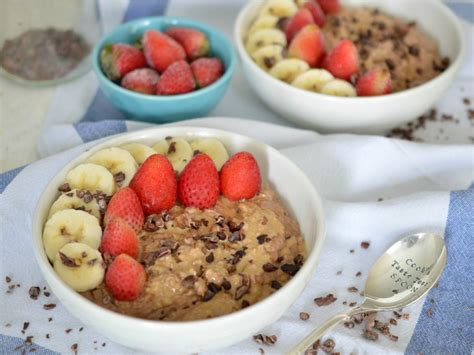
[164, 69]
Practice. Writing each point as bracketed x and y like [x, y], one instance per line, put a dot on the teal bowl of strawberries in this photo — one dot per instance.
[164, 69]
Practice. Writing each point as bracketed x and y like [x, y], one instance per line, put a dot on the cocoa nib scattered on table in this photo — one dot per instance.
[328, 345]
[326, 300]
[265, 339]
[365, 245]
[304, 316]
[49, 306]
[34, 292]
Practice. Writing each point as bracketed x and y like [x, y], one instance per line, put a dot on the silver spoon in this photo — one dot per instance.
[401, 276]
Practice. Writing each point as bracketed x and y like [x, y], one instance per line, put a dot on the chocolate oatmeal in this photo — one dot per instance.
[206, 263]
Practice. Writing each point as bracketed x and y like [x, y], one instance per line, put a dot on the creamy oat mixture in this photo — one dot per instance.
[203, 264]
[388, 42]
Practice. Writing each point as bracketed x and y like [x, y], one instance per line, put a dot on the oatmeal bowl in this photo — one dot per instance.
[184, 239]
[361, 66]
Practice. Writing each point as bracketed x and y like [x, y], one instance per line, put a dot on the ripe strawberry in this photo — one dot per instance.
[198, 184]
[240, 177]
[141, 80]
[343, 60]
[161, 50]
[308, 45]
[119, 238]
[177, 79]
[299, 20]
[194, 42]
[155, 184]
[316, 11]
[125, 205]
[118, 59]
[374, 82]
[125, 278]
[330, 6]
[207, 70]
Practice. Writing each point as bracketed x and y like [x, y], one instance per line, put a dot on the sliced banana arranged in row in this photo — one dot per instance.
[213, 148]
[262, 22]
[116, 160]
[338, 87]
[279, 8]
[265, 37]
[312, 80]
[288, 69]
[91, 177]
[70, 200]
[266, 57]
[80, 266]
[68, 226]
[140, 152]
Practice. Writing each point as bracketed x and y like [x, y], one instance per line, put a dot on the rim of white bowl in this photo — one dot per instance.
[451, 70]
[75, 297]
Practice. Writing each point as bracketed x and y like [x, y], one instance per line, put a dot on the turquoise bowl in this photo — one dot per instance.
[162, 109]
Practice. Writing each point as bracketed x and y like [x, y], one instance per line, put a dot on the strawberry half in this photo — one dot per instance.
[343, 60]
[125, 205]
[161, 50]
[206, 71]
[141, 80]
[316, 11]
[374, 82]
[125, 278]
[155, 184]
[119, 238]
[330, 6]
[119, 59]
[194, 42]
[299, 20]
[240, 177]
[308, 45]
[177, 79]
[198, 184]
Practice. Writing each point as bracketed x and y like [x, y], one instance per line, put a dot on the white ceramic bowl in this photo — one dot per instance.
[296, 191]
[360, 114]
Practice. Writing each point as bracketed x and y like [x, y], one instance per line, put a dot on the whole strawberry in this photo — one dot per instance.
[119, 59]
[299, 20]
[374, 82]
[155, 184]
[308, 45]
[240, 177]
[343, 60]
[125, 278]
[141, 80]
[161, 50]
[119, 238]
[177, 79]
[194, 42]
[125, 205]
[198, 184]
[206, 71]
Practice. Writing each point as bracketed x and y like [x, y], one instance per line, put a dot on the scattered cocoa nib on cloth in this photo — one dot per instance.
[265, 339]
[326, 300]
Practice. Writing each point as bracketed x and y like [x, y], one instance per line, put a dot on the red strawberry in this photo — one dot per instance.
[343, 60]
[142, 80]
[155, 184]
[374, 82]
[308, 45]
[194, 42]
[177, 79]
[118, 59]
[299, 20]
[198, 184]
[125, 278]
[161, 50]
[330, 6]
[240, 177]
[316, 11]
[125, 205]
[206, 71]
[119, 238]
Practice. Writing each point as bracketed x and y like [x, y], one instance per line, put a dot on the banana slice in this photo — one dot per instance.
[161, 147]
[212, 147]
[288, 69]
[265, 37]
[279, 8]
[139, 151]
[91, 177]
[117, 161]
[262, 22]
[71, 200]
[68, 226]
[338, 87]
[312, 80]
[179, 153]
[266, 57]
[80, 266]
